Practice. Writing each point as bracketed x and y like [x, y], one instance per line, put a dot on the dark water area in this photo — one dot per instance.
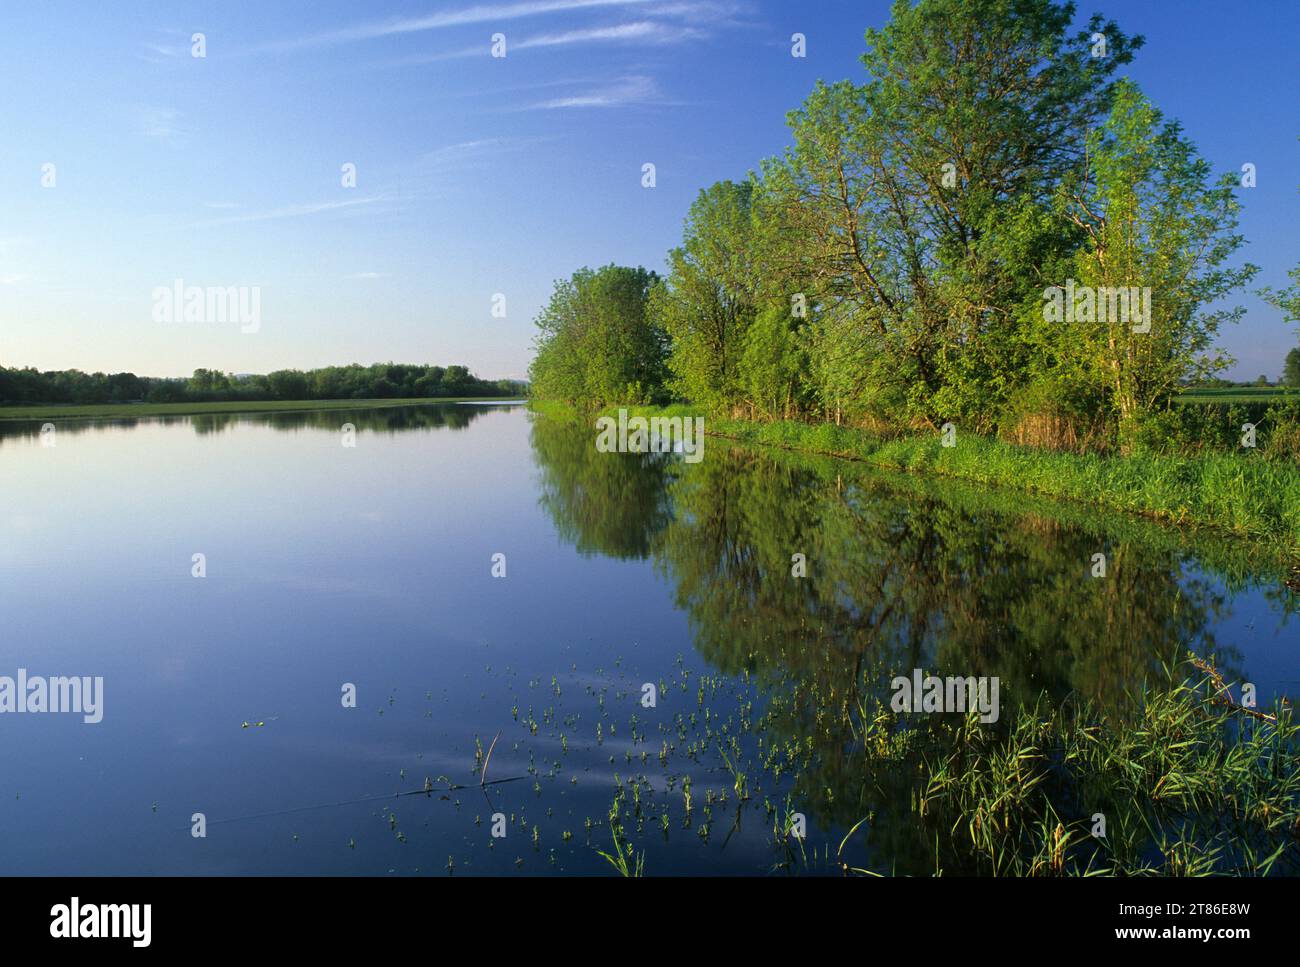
[627, 578]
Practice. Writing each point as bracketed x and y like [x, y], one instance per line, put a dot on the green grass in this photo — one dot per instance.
[1241, 492]
[1211, 790]
[111, 410]
[1238, 394]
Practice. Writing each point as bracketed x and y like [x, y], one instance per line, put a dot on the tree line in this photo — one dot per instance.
[906, 260]
[379, 381]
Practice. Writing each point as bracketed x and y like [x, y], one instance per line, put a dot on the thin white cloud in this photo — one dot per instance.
[438, 21]
[453, 151]
[162, 50]
[630, 90]
[642, 30]
[293, 211]
[715, 13]
[170, 45]
[11, 279]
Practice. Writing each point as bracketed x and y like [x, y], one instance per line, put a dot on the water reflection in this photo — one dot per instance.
[390, 419]
[901, 573]
[328, 569]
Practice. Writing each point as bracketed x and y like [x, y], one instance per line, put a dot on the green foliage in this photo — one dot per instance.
[918, 203]
[1187, 786]
[380, 381]
[1251, 494]
[899, 264]
[1291, 369]
[597, 342]
[708, 302]
[773, 364]
[1152, 220]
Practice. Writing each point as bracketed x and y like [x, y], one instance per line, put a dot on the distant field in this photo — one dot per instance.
[1239, 394]
[75, 411]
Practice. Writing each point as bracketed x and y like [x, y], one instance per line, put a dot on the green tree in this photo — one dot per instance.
[287, 384]
[773, 364]
[1291, 369]
[1154, 221]
[596, 341]
[920, 196]
[708, 301]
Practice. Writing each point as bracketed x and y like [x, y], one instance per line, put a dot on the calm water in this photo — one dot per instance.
[373, 566]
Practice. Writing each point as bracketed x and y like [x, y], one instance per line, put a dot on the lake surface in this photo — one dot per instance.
[372, 566]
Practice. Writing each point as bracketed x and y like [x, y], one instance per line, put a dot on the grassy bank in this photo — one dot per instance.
[131, 410]
[1238, 394]
[1241, 492]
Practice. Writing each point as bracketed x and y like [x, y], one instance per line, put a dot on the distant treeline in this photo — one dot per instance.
[379, 381]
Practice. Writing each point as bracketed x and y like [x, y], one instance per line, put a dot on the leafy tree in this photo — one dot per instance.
[916, 195]
[597, 343]
[708, 301]
[773, 364]
[1155, 221]
[1291, 370]
[287, 384]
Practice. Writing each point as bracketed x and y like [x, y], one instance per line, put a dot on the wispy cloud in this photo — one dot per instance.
[452, 152]
[451, 18]
[163, 50]
[714, 13]
[449, 167]
[293, 211]
[630, 90]
[11, 279]
[641, 31]
[170, 45]
[452, 157]
[648, 31]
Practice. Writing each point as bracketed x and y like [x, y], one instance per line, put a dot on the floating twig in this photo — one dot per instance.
[1224, 694]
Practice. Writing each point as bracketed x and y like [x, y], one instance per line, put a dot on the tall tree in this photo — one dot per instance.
[912, 191]
[708, 301]
[1291, 370]
[596, 342]
[1154, 221]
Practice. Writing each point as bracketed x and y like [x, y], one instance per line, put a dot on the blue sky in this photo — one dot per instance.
[475, 175]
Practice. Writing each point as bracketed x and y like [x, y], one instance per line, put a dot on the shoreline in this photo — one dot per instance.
[1237, 495]
[72, 411]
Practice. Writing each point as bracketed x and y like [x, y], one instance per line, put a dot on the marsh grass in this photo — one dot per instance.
[1188, 781]
[1187, 786]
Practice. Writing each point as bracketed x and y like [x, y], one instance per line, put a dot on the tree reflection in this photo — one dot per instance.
[902, 573]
